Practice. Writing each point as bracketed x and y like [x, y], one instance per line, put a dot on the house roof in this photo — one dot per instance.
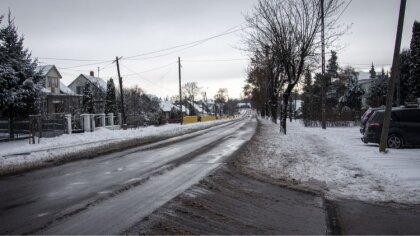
[66, 90]
[167, 106]
[45, 69]
[96, 80]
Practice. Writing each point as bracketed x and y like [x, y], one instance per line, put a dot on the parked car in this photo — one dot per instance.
[404, 128]
[369, 112]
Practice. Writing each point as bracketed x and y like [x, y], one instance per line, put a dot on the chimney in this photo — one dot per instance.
[92, 73]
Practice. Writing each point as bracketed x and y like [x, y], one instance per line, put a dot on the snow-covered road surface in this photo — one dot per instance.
[18, 156]
[336, 162]
[108, 194]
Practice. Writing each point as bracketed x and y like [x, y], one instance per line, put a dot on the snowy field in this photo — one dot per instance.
[18, 155]
[336, 162]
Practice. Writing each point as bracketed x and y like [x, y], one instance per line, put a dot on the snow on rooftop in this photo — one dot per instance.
[66, 90]
[166, 106]
[44, 69]
[96, 80]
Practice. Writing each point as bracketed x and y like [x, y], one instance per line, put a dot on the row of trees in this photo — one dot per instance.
[283, 39]
[140, 108]
[343, 93]
[191, 91]
[408, 83]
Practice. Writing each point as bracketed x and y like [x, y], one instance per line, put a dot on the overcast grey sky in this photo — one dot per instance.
[102, 29]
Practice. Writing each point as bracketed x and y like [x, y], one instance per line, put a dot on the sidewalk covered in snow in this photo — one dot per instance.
[336, 162]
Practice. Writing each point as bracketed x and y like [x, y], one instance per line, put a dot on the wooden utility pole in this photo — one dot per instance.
[98, 72]
[122, 95]
[180, 92]
[391, 83]
[323, 85]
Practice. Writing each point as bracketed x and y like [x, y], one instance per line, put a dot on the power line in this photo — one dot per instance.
[345, 8]
[157, 68]
[190, 44]
[142, 77]
[218, 60]
[70, 67]
[67, 59]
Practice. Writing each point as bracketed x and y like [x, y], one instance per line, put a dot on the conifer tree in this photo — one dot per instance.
[415, 59]
[372, 72]
[332, 67]
[19, 88]
[111, 102]
[88, 104]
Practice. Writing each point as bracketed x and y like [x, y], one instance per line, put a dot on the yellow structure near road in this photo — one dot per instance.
[190, 119]
[208, 118]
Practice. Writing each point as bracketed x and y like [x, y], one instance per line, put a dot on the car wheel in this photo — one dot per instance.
[395, 141]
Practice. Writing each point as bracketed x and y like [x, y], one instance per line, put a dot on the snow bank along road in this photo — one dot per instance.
[109, 194]
[20, 156]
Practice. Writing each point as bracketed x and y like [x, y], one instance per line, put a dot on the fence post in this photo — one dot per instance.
[111, 118]
[86, 122]
[103, 119]
[68, 117]
[92, 120]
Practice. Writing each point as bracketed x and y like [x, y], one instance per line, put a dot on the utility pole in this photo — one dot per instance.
[394, 75]
[121, 92]
[180, 92]
[98, 72]
[323, 86]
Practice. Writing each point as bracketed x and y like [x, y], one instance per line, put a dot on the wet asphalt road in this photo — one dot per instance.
[109, 194]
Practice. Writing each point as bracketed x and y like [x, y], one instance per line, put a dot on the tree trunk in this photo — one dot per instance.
[273, 106]
[284, 113]
[290, 109]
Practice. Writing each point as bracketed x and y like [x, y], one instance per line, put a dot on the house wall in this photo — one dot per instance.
[52, 81]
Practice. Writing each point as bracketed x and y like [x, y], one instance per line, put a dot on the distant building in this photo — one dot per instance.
[57, 97]
[98, 88]
[167, 107]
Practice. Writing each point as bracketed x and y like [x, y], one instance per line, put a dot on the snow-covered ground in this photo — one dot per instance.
[336, 162]
[18, 155]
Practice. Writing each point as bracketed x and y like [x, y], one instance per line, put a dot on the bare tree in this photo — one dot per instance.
[190, 91]
[221, 98]
[291, 30]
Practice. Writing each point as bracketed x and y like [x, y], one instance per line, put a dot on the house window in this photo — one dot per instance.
[52, 82]
[79, 89]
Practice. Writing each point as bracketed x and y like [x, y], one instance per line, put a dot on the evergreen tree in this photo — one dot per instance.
[88, 104]
[111, 102]
[377, 92]
[19, 88]
[353, 95]
[415, 59]
[407, 84]
[372, 72]
[332, 67]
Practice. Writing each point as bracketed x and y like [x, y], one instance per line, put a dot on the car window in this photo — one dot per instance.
[378, 116]
[411, 115]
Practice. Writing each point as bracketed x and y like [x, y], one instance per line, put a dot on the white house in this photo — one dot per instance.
[98, 88]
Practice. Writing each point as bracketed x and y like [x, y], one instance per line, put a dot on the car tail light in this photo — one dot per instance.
[374, 125]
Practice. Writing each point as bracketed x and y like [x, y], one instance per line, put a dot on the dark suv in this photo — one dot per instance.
[404, 128]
